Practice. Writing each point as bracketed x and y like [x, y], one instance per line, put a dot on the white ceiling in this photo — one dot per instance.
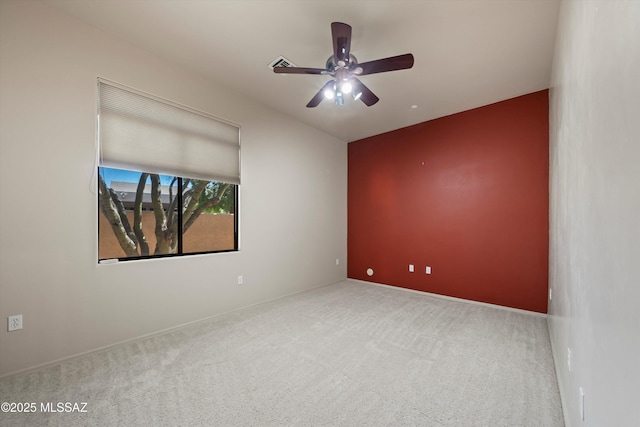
[468, 53]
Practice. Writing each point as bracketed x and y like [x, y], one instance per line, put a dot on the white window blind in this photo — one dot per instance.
[144, 133]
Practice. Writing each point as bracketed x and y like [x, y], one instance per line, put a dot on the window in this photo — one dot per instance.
[168, 178]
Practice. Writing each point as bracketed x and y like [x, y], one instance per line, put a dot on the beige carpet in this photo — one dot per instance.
[346, 354]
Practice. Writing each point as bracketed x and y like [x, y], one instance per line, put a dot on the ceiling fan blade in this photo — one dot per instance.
[320, 95]
[368, 97]
[299, 70]
[341, 34]
[400, 62]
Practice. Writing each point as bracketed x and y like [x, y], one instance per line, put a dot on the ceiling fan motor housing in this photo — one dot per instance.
[331, 64]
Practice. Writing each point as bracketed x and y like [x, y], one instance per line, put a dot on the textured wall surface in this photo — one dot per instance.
[595, 211]
[465, 194]
[292, 198]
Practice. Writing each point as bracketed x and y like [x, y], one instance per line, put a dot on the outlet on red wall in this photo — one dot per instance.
[466, 194]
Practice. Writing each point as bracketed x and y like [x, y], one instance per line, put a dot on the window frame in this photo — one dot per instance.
[180, 233]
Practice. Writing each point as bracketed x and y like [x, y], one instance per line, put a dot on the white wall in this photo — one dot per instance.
[595, 211]
[293, 198]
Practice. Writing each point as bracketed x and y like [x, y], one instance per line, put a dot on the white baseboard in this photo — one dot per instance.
[486, 304]
[152, 334]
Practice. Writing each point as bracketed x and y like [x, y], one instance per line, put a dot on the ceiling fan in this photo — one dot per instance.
[344, 69]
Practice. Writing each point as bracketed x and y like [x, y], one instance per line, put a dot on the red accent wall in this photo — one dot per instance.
[466, 194]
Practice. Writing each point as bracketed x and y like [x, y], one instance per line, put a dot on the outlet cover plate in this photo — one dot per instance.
[14, 323]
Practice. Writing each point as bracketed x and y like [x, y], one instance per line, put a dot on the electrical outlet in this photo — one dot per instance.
[427, 270]
[410, 268]
[240, 280]
[14, 322]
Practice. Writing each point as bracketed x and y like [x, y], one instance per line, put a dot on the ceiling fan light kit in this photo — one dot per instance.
[344, 69]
